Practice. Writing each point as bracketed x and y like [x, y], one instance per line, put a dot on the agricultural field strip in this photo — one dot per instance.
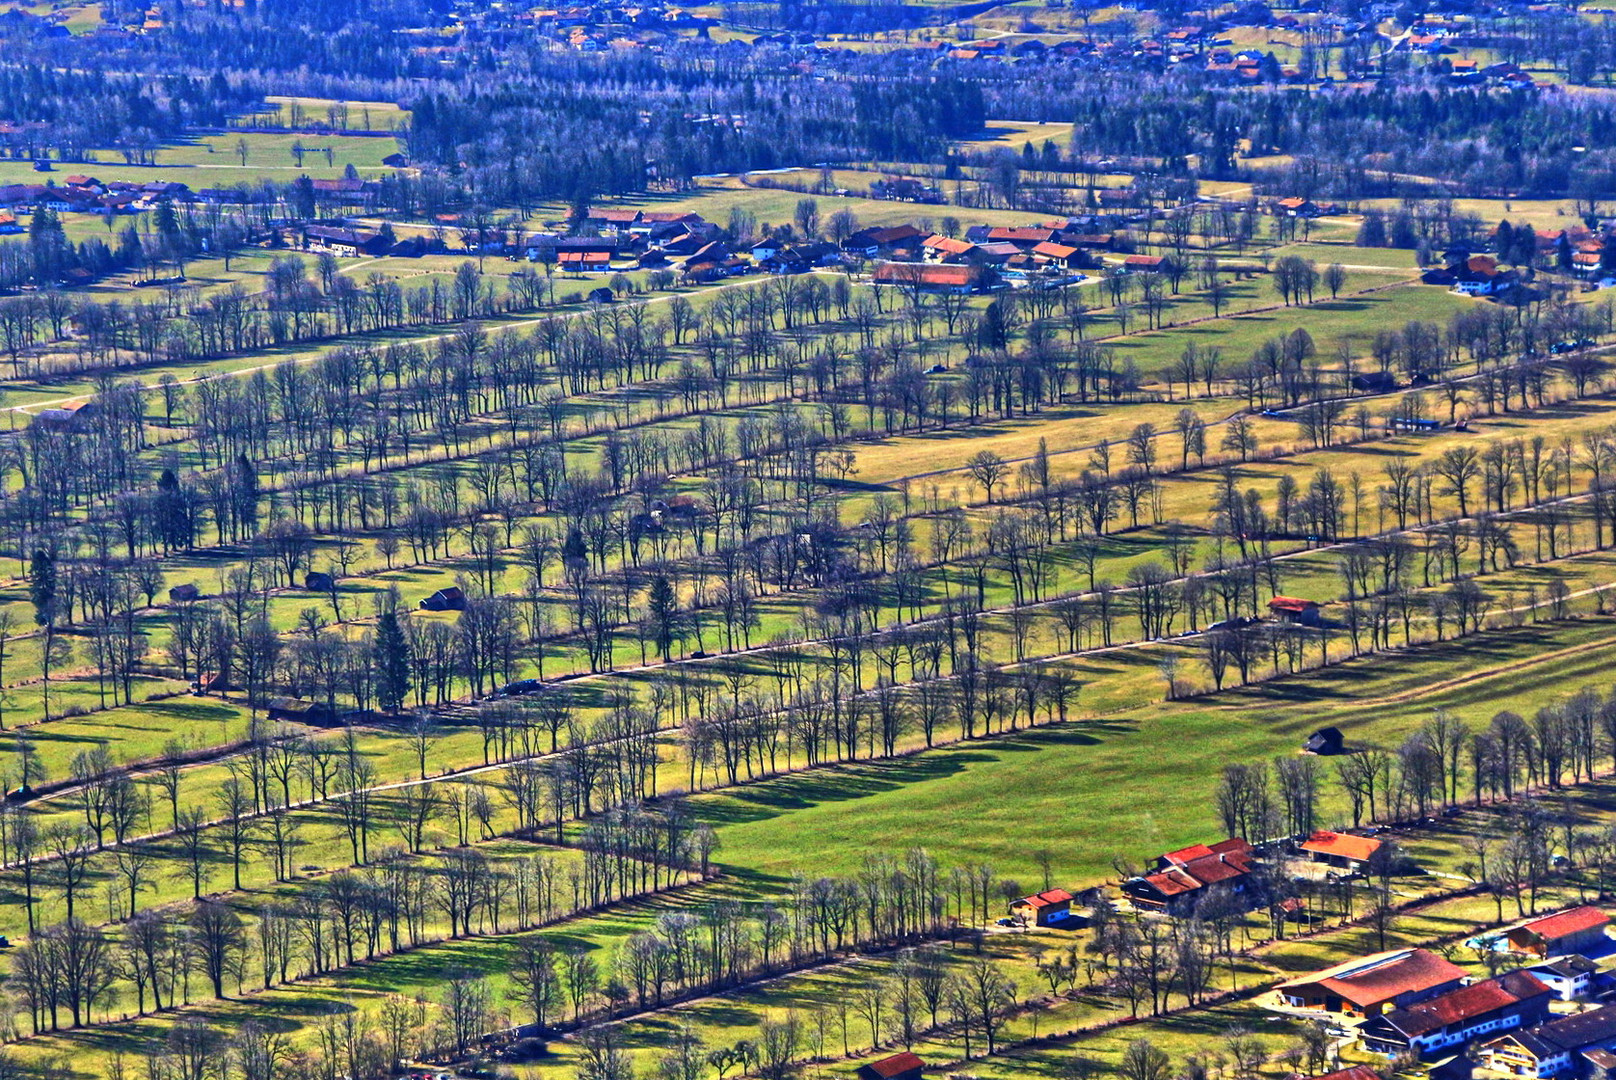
[1299, 552]
[48, 803]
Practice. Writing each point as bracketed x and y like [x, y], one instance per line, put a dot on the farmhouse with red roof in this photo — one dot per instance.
[1576, 931]
[1371, 984]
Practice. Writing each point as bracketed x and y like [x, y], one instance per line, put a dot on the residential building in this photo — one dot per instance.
[1181, 878]
[928, 277]
[1512, 1000]
[1570, 977]
[1369, 985]
[1325, 741]
[1580, 930]
[1045, 908]
[1294, 609]
[875, 242]
[449, 599]
[903, 1066]
[939, 248]
[1343, 851]
[1556, 1048]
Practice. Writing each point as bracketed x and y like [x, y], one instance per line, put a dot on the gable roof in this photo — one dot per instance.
[951, 276]
[1566, 923]
[946, 244]
[1373, 980]
[1200, 865]
[1185, 854]
[1466, 1003]
[896, 1065]
[1342, 845]
[1048, 898]
[1566, 967]
[1355, 1072]
[1291, 603]
[1031, 234]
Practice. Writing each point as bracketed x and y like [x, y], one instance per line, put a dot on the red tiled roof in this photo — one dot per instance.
[1218, 868]
[1184, 855]
[1375, 980]
[1356, 1072]
[1347, 846]
[1291, 603]
[1467, 1003]
[1047, 899]
[1566, 923]
[925, 274]
[947, 244]
[1054, 251]
[896, 1065]
[1013, 235]
[1174, 882]
[1142, 260]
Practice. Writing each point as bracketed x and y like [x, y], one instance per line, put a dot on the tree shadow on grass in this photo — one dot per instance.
[847, 782]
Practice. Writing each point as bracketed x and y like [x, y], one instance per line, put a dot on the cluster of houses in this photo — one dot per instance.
[78, 193]
[984, 257]
[1178, 882]
[1576, 250]
[1542, 1019]
[87, 195]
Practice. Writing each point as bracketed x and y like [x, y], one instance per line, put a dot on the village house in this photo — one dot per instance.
[927, 277]
[1143, 264]
[1325, 741]
[1340, 851]
[1512, 1000]
[1369, 985]
[1043, 909]
[658, 223]
[1560, 1047]
[1297, 207]
[1570, 977]
[993, 254]
[1480, 275]
[1580, 930]
[1025, 238]
[939, 248]
[1181, 878]
[450, 599]
[878, 242]
[71, 418]
[612, 221]
[905, 1066]
[580, 262]
[1064, 256]
[904, 189]
[1294, 609]
[344, 243]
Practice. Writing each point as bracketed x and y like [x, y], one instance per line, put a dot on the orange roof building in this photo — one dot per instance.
[1342, 850]
[1563, 934]
[1372, 984]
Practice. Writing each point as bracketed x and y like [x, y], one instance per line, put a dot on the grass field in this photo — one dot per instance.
[213, 161]
[1127, 775]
